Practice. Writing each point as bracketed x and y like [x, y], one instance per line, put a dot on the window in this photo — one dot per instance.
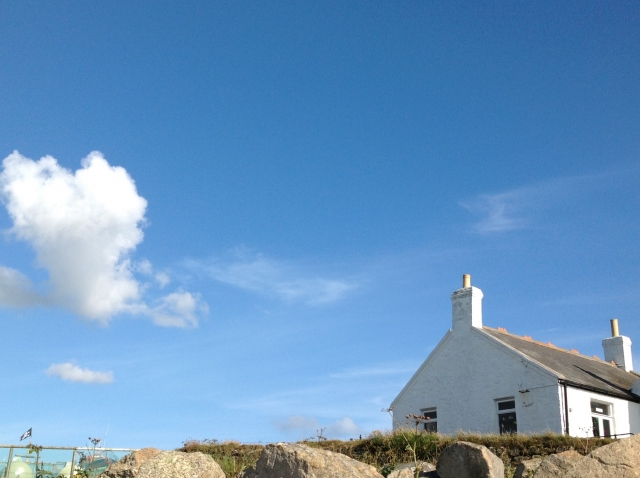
[431, 420]
[601, 419]
[507, 416]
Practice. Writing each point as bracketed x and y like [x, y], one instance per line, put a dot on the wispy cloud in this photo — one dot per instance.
[144, 267]
[285, 281]
[357, 395]
[70, 372]
[618, 297]
[520, 208]
[390, 369]
[84, 227]
[297, 423]
[499, 212]
[309, 426]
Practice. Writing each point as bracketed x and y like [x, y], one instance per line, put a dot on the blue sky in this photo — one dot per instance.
[252, 215]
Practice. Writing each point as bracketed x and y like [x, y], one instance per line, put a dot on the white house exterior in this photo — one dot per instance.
[484, 380]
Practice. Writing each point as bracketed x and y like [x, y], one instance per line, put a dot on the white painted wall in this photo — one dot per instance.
[625, 414]
[464, 376]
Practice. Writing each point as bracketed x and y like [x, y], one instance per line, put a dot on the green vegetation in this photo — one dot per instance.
[386, 450]
[232, 456]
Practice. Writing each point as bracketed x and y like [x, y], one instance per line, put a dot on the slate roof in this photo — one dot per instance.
[576, 369]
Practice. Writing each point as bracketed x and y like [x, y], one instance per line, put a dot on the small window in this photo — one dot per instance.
[508, 405]
[600, 408]
[601, 422]
[431, 420]
[507, 416]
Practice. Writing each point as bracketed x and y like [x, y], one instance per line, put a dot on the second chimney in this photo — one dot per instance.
[617, 348]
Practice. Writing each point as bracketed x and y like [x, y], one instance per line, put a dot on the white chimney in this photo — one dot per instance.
[467, 305]
[617, 348]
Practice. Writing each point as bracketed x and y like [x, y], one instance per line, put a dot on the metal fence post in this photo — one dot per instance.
[6, 470]
[73, 463]
[37, 458]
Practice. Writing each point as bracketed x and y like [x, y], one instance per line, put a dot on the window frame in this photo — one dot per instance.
[598, 426]
[432, 422]
[506, 411]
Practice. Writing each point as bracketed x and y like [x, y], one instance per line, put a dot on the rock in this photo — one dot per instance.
[178, 464]
[527, 468]
[129, 464]
[151, 463]
[468, 460]
[558, 464]
[137, 458]
[407, 470]
[115, 470]
[287, 460]
[620, 459]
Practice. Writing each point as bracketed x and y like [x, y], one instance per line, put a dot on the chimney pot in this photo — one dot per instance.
[615, 331]
[466, 281]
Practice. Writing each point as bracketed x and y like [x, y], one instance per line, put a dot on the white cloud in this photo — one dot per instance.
[343, 428]
[144, 267]
[179, 309]
[72, 373]
[162, 278]
[256, 273]
[84, 226]
[298, 423]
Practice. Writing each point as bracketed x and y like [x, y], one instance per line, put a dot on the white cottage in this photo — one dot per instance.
[485, 380]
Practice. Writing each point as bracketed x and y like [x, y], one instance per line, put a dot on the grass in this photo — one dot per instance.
[232, 456]
[386, 450]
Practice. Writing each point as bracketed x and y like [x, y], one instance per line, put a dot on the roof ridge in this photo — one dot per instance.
[528, 338]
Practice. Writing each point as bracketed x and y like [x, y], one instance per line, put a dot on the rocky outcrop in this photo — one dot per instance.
[468, 460]
[620, 459]
[557, 465]
[152, 463]
[287, 460]
[409, 471]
